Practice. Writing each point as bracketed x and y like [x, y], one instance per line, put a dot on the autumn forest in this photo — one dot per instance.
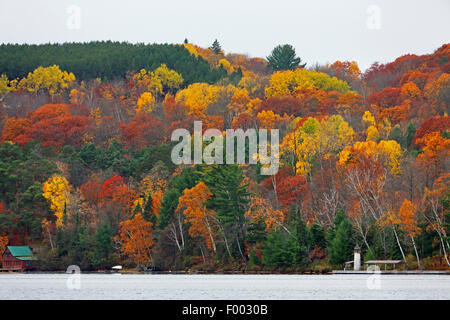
[86, 176]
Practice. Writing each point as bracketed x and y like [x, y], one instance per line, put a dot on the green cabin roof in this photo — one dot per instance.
[20, 251]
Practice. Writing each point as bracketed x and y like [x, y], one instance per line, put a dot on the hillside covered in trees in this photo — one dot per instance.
[86, 173]
[105, 60]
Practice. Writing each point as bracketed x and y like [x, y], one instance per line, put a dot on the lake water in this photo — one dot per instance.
[227, 287]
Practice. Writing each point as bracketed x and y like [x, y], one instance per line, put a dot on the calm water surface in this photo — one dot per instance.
[235, 287]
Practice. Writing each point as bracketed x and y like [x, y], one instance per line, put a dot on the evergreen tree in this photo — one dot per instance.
[236, 76]
[187, 179]
[300, 230]
[281, 249]
[283, 57]
[137, 209]
[148, 213]
[216, 48]
[317, 235]
[256, 232]
[341, 247]
[397, 135]
[78, 243]
[410, 133]
[370, 255]
[331, 232]
[103, 253]
[64, 217]
[229, 200]
[424, 241]
[291, 248]
[169, 204]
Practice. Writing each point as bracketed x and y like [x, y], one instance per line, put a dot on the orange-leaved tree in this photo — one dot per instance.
[436, 151]
[136, 239]
[202, 221]
[260, 209]
[409, 224]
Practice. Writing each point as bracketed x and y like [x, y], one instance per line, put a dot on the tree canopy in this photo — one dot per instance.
[283, 57]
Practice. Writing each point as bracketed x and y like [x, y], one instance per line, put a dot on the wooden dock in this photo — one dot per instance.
[20, 270]
[404, 272]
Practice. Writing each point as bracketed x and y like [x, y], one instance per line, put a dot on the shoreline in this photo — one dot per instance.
[333, 272]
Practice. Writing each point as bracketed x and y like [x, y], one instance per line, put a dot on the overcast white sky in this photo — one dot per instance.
[321, 31]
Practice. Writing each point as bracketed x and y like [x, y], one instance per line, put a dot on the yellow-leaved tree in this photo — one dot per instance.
[376, 130]
[388, 152]
[158, 82]
[170, 80]
[316, 140]
[284, 83]
[145, 103]
[56, 189]
[198, 96]
[7, 85]
[47, 79]
[226, 65]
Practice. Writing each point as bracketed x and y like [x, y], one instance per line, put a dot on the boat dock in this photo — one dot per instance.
[422, 272]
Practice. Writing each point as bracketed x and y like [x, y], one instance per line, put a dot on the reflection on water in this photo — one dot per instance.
[235, 287]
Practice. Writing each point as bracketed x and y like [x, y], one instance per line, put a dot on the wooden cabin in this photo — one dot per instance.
[17, 258]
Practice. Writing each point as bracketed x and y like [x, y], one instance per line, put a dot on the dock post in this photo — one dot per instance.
[357, 258]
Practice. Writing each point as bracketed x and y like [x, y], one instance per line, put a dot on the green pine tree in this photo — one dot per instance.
[410, 133]
[331, 232]
[103, 252]
[283, 57]
[148, 213]
[229, 200]
[317, 235]
[216, 48]
[287, 249]
[136, 210]
[341, 247]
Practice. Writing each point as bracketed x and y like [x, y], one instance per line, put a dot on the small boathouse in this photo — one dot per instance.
[17, 258]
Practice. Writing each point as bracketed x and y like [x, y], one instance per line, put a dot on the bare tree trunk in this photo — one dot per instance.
[417, 255]
[399, 245]
[180, 226]
[210, 234]
[363, 234]
[443, 248]
[50, 238]
[240, 250]
[173, 230]
[203, 256]
[226, 245]
[274, 183]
